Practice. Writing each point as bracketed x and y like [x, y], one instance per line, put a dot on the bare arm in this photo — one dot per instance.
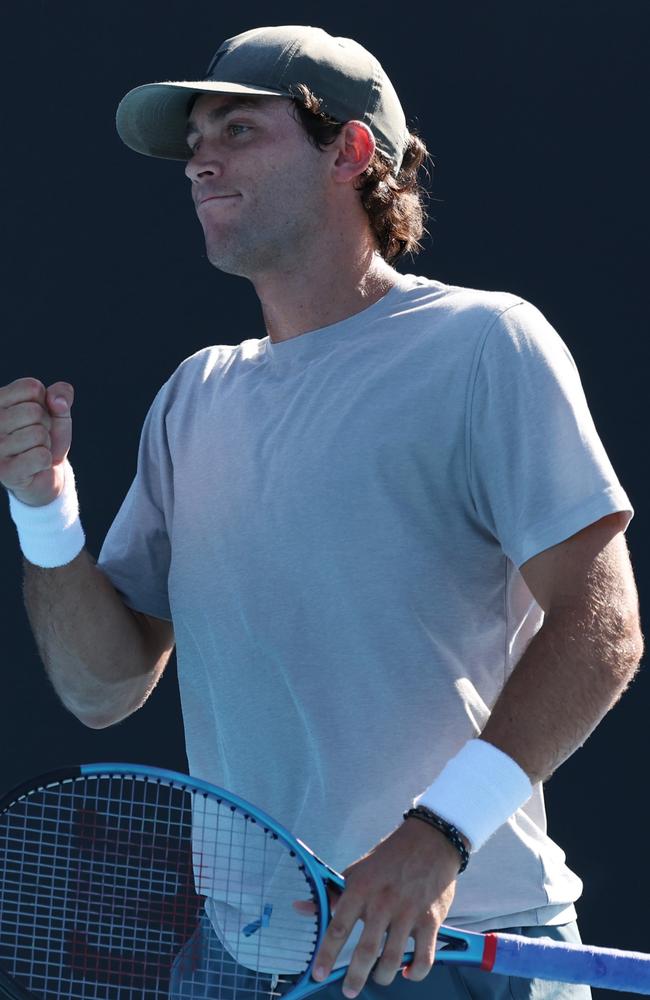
[583, 657]
[103, 658]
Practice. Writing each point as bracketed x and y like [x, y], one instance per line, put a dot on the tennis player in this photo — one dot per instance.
[385, 536]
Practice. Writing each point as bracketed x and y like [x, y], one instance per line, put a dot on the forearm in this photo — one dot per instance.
[572, 673]
[92, 645]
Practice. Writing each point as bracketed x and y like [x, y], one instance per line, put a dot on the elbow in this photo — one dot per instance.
[101, 705]
[635, 647]
[99, 716]
[96, 721]
[639, 643]
[627, 650]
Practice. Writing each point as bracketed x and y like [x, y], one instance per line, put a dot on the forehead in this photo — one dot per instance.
[211, 108]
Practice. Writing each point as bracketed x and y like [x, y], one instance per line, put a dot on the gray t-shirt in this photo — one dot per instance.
[334, 524]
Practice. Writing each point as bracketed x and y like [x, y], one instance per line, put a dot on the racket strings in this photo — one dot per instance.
[120, 886]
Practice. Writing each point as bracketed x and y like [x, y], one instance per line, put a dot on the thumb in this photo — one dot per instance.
[59, 398]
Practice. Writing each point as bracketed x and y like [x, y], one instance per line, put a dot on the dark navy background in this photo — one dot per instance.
[536, 118]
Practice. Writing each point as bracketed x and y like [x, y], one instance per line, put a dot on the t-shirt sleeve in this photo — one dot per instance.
[136, 551]
[538, 471]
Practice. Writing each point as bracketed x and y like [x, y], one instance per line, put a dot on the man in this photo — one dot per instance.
[385, 538]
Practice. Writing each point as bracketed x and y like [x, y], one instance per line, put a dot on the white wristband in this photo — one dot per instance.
[51, 535]
[477, 791]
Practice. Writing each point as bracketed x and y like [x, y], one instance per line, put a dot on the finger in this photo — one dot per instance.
[425, 936]
[24, 439]
[305, 906]
[392, 953]
[17, 473]
[365, 956]
[23, 390]
[23, 415]
[308, 906]
[333, 896]
[60, 397]
[347, 913]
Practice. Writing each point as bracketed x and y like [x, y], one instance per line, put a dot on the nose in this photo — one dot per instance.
[204, 163]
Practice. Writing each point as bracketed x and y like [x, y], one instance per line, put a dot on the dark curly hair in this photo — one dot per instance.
[395, 203]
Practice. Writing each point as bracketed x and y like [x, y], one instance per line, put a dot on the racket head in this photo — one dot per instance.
[120, 880]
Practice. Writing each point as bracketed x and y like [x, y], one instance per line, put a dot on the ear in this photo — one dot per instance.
[356, 147]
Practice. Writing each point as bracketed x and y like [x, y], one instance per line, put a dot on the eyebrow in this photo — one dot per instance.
[216, 114]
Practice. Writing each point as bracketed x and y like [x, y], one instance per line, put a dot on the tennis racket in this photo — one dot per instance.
[120, 881]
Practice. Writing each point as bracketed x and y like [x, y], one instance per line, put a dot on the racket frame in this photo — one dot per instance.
[455, 946]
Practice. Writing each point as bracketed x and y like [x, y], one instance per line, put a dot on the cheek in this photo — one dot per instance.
[295, 187]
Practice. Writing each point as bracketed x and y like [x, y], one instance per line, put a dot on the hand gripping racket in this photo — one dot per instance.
[124, 882]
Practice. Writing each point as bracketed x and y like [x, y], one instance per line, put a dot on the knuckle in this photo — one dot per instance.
[405, 917]
[41, 458]
[33, 411]
[390, 895]
[367, 951]
[428, 919]
[30, 437]
[338, 929]
[391, 958]
[355, 891]
[42, 435]
[30, 385]
[8, 446]
[8, 476]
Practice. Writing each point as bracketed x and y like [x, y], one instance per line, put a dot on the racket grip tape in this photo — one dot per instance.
[607, 968]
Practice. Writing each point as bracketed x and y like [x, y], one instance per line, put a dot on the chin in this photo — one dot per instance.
[244, 262]
[228, 263]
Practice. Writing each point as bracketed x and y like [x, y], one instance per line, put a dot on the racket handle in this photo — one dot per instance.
[607, 968]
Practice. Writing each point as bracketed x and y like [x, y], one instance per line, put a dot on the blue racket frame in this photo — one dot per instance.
[502, 953]
[459, 947]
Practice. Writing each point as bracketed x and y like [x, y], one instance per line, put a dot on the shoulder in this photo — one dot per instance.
[522, 335]
[463, 303]
[210, 362]
[469, 316]
[498, 326]
[200, 371]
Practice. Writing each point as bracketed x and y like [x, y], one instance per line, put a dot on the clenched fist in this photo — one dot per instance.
[35, 437]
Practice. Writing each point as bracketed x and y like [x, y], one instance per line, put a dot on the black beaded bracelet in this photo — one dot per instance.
[450, 832]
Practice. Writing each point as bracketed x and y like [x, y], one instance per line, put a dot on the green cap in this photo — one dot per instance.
[346, 77]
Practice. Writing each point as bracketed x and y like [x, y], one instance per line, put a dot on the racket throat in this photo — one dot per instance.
[447, 943]
[263, 921]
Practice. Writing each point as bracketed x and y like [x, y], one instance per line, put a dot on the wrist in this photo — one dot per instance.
[477, 791]
[50, 535]
[455, 841]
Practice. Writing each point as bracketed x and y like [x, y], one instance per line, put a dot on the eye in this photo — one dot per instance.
[236, 125]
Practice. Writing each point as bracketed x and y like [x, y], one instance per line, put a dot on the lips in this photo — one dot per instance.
[217, 197]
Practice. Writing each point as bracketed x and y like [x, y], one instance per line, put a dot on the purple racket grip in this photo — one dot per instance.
[607, 968]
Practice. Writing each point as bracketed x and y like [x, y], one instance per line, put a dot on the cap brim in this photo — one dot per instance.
[152, 118]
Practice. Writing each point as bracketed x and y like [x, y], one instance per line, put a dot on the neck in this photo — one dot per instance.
[313, 294]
